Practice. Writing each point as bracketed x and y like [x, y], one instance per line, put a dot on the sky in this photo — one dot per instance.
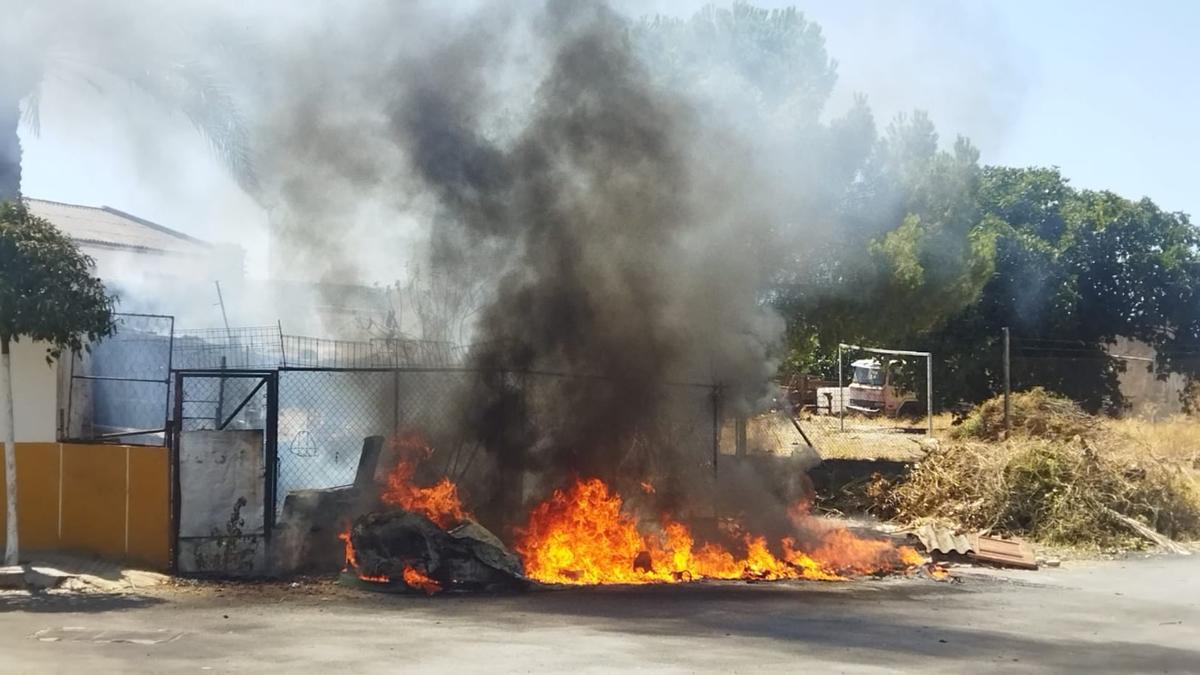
[1105, 90]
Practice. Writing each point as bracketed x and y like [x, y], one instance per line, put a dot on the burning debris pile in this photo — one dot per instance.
[423, 538]
[623, 273]
[582, 535]
[409, 547]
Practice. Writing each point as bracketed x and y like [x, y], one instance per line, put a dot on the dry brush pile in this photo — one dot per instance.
[1063, 477]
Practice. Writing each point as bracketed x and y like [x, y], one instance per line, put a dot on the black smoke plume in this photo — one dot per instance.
[619, 228]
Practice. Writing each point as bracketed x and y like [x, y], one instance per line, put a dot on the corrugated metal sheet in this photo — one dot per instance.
[944, 540]
[1007, 552]
[109, 227]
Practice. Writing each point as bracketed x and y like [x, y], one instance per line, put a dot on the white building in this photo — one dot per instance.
[128, 251]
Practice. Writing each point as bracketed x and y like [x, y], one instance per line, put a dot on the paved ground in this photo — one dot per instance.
[1130, 616]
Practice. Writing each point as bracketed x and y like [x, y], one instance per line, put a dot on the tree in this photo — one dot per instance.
[910, 249]
[47, 294]
[1075, 269]
[106, 46]
[775, 58]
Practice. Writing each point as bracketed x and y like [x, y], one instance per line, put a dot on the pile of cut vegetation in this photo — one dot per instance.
[1035, 413]
[1060, 479]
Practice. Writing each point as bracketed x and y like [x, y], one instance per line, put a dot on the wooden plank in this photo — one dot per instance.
[1007, 552]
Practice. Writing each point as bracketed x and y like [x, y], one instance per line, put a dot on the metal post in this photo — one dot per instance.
[66, 434]
[716, 427]
[271, 493]
[1007, 381]
[841, 393]
[282, 351]
[176, 485]
[167, 380]
[219, 414]
[396, 404]
[929, 391]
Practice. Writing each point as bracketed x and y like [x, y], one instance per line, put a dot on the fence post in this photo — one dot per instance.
[282, 350]
[271, 496]
[175, 486]
[841, 393]
[929, 391]
[1007, 382]
[716, 427]
[395, 403]
[166, 379]
[220, 410]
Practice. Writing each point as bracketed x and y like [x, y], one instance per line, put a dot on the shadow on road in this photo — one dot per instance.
[74, 603]
[889, 624]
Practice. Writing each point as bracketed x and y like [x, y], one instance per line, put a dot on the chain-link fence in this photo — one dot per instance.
[324, 415]
[211, 349]
[1122, 378]
[877, 409]
[118, 389]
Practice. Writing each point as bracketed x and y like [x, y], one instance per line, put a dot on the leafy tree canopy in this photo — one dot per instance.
[1076, 269]
[47, 290]
[897, 240]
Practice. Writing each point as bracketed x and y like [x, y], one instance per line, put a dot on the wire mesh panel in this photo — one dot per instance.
[215, 402]
[859, 436]
[118, 388]
[259, 347]
[310, 352]
[323, 417]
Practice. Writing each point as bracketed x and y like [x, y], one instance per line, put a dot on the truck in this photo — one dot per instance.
[874, 389]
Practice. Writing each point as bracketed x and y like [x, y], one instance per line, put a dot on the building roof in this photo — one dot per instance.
[109, 228]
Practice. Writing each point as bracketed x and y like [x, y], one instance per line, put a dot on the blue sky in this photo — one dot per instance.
[1105, 90]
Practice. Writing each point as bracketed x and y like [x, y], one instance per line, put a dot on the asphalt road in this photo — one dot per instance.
[1129, 616]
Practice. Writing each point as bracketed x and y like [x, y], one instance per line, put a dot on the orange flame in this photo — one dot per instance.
[352, 560]
[937, 572]
[582, 536]
[415, 579]
[439, 502]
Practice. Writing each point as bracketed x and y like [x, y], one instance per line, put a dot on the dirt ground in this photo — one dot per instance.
[1138, 615]
[856, 437]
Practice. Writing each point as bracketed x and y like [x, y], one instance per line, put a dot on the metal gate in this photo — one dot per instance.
[224, 465]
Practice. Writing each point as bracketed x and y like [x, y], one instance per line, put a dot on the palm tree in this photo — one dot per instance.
[109, 47]
[106, 46]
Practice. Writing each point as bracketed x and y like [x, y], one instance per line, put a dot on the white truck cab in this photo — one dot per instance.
[873, 389]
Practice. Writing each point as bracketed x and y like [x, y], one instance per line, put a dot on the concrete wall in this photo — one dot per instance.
[35, 393]
[107, 500]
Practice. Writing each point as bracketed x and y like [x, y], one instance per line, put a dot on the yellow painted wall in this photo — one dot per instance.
[149, 507]
[108, 500]
[37, 490]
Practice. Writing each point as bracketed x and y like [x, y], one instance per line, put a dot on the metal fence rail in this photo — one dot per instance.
[119, 388]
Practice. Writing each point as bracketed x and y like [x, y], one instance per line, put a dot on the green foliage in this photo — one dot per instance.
[914, 250]
[900, 241]
[47, 291]
[1080, 268]
[773, 57]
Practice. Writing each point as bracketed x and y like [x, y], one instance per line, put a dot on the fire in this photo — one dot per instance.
[415, 579]
[582, 536]
[439, 502]
[352, 560]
